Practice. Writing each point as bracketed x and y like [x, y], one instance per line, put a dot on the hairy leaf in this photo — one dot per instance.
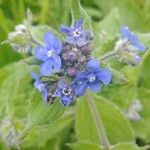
[116, 125]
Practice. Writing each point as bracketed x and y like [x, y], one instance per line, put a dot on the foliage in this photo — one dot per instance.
[27, 123]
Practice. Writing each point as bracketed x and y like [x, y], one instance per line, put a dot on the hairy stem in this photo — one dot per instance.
[98, 122]
[109, 55]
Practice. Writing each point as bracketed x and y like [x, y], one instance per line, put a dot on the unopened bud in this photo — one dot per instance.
[129, 58]
[85, 49]
[82, 59]
[72, 72]
[72, 56]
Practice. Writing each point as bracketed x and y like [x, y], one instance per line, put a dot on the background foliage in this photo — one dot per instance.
[26, 123]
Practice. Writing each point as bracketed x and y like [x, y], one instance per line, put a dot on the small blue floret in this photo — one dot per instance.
[93, 78]
[76, 34]
[66, 92]
[49, 54]
[132, 38]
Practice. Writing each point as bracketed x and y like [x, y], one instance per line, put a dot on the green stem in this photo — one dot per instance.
[98, 122]
[109, 55]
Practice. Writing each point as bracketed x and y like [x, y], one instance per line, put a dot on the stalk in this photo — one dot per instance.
[98, 122]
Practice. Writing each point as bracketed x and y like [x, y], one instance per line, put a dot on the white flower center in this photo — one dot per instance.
[49, 53]
[76, 33]
[67, 91]
[91, 78]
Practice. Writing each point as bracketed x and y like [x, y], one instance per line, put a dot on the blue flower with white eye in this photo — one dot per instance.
[65, 92]
[40, 86]
[49, 54]
[76, 34]
[131, 37]
[93, 78]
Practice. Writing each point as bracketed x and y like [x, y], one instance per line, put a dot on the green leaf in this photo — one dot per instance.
[15, 89]
[141, 127]
[111, 23]
[116, 125]
[130, 12]
[84, 145]
[40, 113]
[145, 71]
[78, 12]
[118, 77]
[104, 45]
[125, 146]
[30, 61]
[121, 98]
[15, 92]
[48, 131]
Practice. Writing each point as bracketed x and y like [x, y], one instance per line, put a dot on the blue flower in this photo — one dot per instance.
[40, 86]
[48, 54]
[76, 34]
[65, 92]
[127, 35]
[93, 78]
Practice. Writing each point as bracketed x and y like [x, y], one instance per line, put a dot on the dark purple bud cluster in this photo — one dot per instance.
[75, 58]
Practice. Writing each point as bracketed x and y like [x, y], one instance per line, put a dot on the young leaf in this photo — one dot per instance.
[78, 12]
[116, 125]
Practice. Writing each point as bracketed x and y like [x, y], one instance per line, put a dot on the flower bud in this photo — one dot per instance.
[82, 59]
[72, 71]
[129, 58]
[85, 49]
[72, 56]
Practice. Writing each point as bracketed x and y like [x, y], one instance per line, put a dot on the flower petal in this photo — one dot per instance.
[125, 32]
[46, 68]
[37, 80]
[95, 86]
[35, 76]
[44, 94]
[66, 100]
[80, 89]
[56, 62]
[52, 42]
[104, 75]
[57, 93]
[80, 76]
[93, 65]
[66, 30]
[84, 38]
[78, 24]
[41, 53]
[140, 47]
[133, 38]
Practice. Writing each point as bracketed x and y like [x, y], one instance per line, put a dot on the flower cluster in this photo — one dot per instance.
[71, 65]
[19, 39]
[129, 47]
